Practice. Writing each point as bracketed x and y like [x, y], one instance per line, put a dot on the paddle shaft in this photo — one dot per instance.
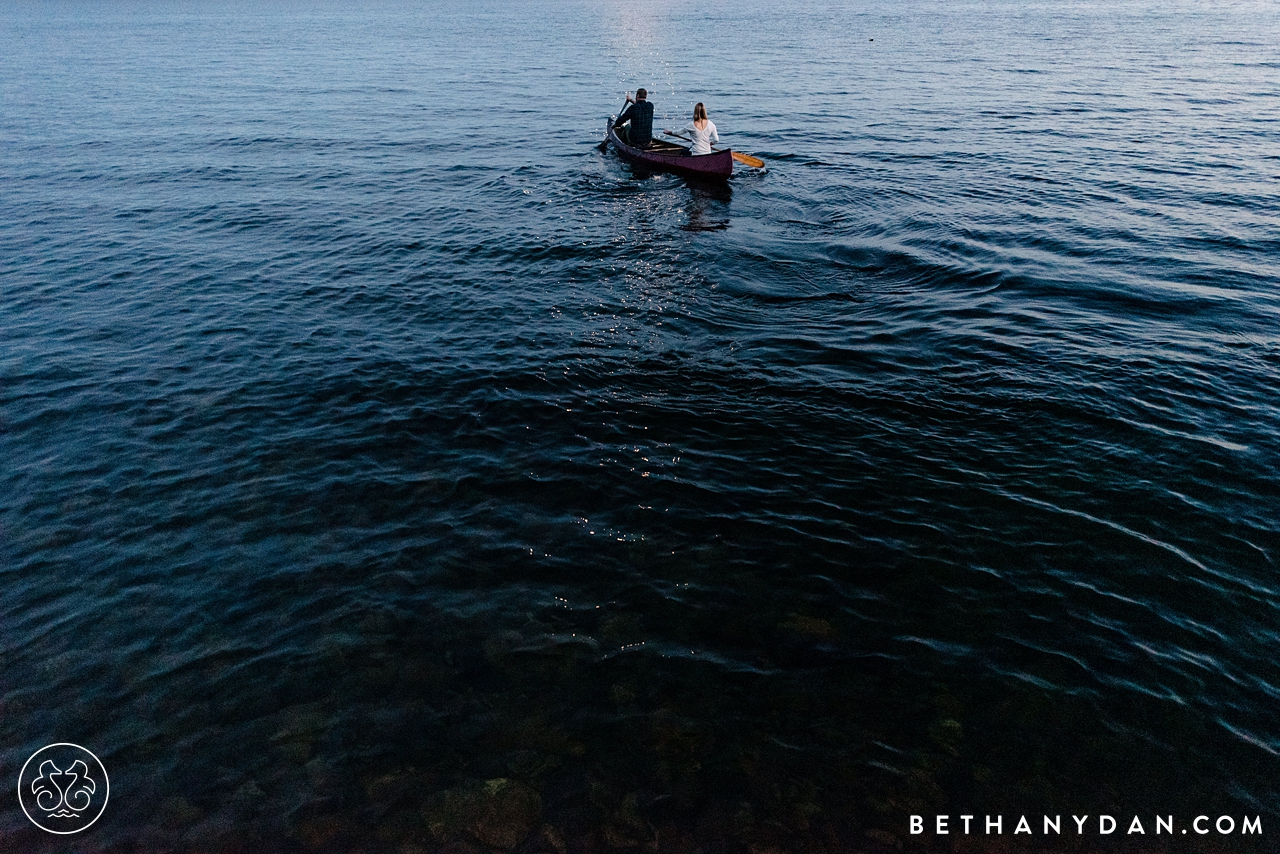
[746, 159]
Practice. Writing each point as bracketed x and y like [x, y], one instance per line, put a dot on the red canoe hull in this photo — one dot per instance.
[717, 165]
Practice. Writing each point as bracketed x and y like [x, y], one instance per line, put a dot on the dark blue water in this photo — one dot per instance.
[387, 468]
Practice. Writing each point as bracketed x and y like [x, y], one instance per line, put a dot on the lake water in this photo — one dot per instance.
[388, 468]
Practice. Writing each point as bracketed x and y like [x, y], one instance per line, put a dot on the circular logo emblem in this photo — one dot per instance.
[63, 788]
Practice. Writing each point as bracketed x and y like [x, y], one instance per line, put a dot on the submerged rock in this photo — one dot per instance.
[177, 812]
[498, 813]
[247, 801]
[812, 626]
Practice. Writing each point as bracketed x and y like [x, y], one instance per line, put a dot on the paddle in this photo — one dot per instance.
[745, 159]
[605, 143]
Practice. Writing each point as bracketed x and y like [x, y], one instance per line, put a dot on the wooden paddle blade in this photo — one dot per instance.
[748, 160]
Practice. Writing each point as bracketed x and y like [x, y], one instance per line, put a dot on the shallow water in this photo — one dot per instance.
[370, 434]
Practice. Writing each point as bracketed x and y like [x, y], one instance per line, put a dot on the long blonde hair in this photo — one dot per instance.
[699, 112]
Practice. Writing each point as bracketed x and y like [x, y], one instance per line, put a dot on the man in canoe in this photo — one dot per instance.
[640, 116]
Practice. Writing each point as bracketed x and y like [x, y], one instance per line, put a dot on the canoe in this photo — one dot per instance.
[669, 157]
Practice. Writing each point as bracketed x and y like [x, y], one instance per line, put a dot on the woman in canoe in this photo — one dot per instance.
[701, 131]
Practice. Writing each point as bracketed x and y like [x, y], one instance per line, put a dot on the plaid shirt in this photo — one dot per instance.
[640, 114]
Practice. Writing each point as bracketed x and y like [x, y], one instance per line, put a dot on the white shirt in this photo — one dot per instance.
[702, 139]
